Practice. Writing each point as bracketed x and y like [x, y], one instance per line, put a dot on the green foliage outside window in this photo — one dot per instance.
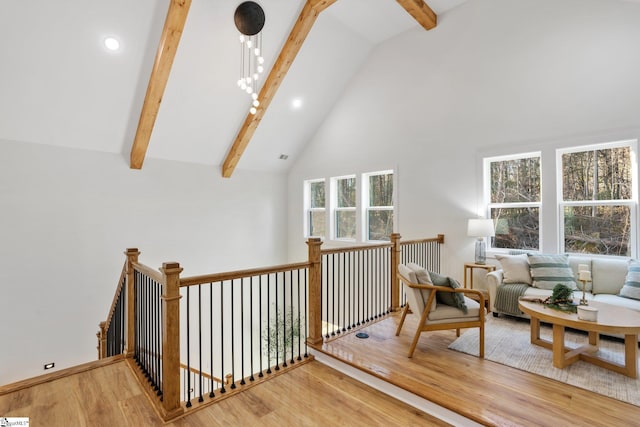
[516, 181]
[597, 178]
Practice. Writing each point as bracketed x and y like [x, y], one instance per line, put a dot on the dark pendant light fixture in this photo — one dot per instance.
[249, 19]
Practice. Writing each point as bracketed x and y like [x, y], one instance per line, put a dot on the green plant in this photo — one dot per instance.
[562, 294]
[283, 332]
[561, 299]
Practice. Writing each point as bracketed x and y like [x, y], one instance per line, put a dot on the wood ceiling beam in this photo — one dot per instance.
[421, 12]
[299, 32]
[167, 48]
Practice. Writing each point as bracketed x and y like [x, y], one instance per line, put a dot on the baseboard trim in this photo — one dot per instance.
[41, 379]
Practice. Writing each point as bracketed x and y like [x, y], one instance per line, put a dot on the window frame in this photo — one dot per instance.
[489, 205]
[308, 210]
[366, 231]
[632, 202]
[335, 208]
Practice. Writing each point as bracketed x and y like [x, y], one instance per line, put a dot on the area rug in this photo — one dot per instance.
[507, 341]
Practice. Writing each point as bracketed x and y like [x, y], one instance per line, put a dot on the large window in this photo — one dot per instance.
[345, 208]
[580, 199]
[597, 206]
[513, 187]
[379, 205]
[315, 202]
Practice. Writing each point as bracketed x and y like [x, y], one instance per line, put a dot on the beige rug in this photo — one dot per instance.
[507, 343]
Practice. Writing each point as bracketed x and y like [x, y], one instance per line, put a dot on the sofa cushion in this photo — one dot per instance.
[633, 304]
[547, 271]
[608, 274]
[515, 268]
[631, 288]
[453, 299]
[574, 263]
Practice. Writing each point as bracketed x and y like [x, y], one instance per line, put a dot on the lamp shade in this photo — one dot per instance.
[480, 228]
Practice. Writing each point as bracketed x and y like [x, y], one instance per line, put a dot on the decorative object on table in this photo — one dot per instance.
[587, 313]
[584, 276]
[560, 299]
[249, 19]
[480, 228]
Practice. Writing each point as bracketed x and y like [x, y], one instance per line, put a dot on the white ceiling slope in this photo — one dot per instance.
[59, 85]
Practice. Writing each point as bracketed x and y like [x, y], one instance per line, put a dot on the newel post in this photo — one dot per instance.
[396, 252]
[132, 258]
[315, 291]
[171, 338]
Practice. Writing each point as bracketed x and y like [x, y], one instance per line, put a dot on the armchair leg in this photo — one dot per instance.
[404, 314]
[458, 332]
[481, 351]
[415, 342]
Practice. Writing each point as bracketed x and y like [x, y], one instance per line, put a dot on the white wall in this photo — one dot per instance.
[67, 216]
[495, 76]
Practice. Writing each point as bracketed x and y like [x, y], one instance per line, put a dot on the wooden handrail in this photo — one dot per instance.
[116, 295]
[356, 248]
[154, 274]
[239, 274]
[204, 374]
[104, 326]
[439, 239]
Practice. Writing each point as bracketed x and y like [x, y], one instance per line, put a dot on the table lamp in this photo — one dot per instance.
[480, 228]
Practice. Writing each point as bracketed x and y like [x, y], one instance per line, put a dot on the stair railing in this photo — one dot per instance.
[159, 320]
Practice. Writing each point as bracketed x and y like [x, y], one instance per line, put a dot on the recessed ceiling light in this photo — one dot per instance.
[112, 43]
[296, 103]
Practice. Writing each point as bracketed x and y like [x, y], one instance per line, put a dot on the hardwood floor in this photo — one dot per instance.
[310, 395]
[315, 395]
[487, 392]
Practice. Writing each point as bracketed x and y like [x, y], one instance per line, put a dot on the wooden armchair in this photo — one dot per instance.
[434, 316]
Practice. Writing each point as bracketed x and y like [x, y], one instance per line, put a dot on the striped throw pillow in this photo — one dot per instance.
[631, 288]
[547, 271]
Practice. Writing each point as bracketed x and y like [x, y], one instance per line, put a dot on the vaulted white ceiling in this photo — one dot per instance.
[60, 86]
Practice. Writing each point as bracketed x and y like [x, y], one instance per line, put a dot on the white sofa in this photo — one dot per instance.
[608, 277]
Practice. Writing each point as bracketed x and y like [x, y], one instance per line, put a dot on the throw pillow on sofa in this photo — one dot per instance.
[547, 271]
[631, 288]
[454, 299]
[515, 268]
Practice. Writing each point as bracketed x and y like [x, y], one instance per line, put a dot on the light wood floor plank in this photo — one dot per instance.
[310, 395]
[485, 391]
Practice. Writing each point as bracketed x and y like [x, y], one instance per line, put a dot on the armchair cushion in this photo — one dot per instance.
[417, 298]
[423, 278]
[449, 313]
[453, 299]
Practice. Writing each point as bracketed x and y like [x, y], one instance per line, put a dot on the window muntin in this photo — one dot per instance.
[316, 212]
[514, 189]
[345, 208]
[379, 206]
[598, 199]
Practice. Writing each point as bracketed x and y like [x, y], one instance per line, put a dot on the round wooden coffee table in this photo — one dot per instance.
[611, 319]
